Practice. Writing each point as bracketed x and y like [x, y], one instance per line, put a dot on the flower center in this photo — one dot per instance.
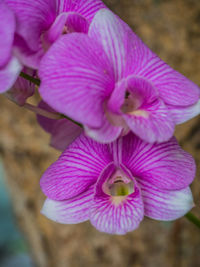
[132, 104]
[119, 185]
[119, 188]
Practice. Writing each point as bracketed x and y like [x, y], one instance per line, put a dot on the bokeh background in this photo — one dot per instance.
[171, 28]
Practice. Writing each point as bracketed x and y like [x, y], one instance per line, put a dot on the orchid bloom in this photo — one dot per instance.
[115, 185]
[63, 132]
[9, 64]
[111, 82]
[40, 23]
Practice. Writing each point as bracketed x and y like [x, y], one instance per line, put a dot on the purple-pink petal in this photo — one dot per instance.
[174, 88]
[165, 165]
[9, 74]
[63, 132]
[33, 18]
[70, 211]
[76, 77]
[115, 38]
[65, 22]
[86, 8]
[183, 114]
[46, 123]
[165, 205]
[115, 215]
[7, 29]
[78, 167]
[117, 219]
[151, 120]
[105, 134]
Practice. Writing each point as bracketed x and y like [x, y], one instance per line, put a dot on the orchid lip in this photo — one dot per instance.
[132, 102]
[132, 105]
[118, 185]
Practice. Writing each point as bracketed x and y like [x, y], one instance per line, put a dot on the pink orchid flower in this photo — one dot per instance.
[115, 185]
[63, 132]
[40, 23]
[9, 65]
[112, 83]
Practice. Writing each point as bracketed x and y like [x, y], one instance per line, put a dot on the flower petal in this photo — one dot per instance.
[33, 18]
[151, 120]
[76, 78]
[9, 74]
[183, 114]
[27, 56]
[71, 211]
[47, 124]
[78, 167]
[156, 126]
[106, 134]
[163, 204]
[63, 132]
[115, 37]
[165, 165]
[7, 29]
[174, 88]
[115, 216]
[73, 22]
[86, 8]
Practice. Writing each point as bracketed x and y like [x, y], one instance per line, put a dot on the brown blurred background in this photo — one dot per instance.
[171, 28]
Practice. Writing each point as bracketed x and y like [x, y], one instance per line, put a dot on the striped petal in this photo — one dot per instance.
[174, 88]
[165, 205]
[78, 167]
[68, 22]
[33, 18]
[115, 37]
[71, 211]
[86, 8]
[76, 78]
[106, 134]
[115, 215]
[183, 114]
[151, 120]
[165, 165]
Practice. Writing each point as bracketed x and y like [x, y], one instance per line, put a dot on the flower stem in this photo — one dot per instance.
[192, 218]
[30, 78]
[42, 112]
[48, 114]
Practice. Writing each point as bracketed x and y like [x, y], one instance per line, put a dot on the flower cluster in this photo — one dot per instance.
[109, 103]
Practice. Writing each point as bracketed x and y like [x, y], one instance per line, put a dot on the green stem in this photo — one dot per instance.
[30, 78]
[77, 123]
[192, 218]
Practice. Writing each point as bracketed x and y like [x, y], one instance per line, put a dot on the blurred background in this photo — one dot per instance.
[171, 28]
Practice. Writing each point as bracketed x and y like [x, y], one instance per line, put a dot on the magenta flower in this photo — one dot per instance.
[63, 132]
[112, 83]
[115, 185]
[40, 23]
[9, 65]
